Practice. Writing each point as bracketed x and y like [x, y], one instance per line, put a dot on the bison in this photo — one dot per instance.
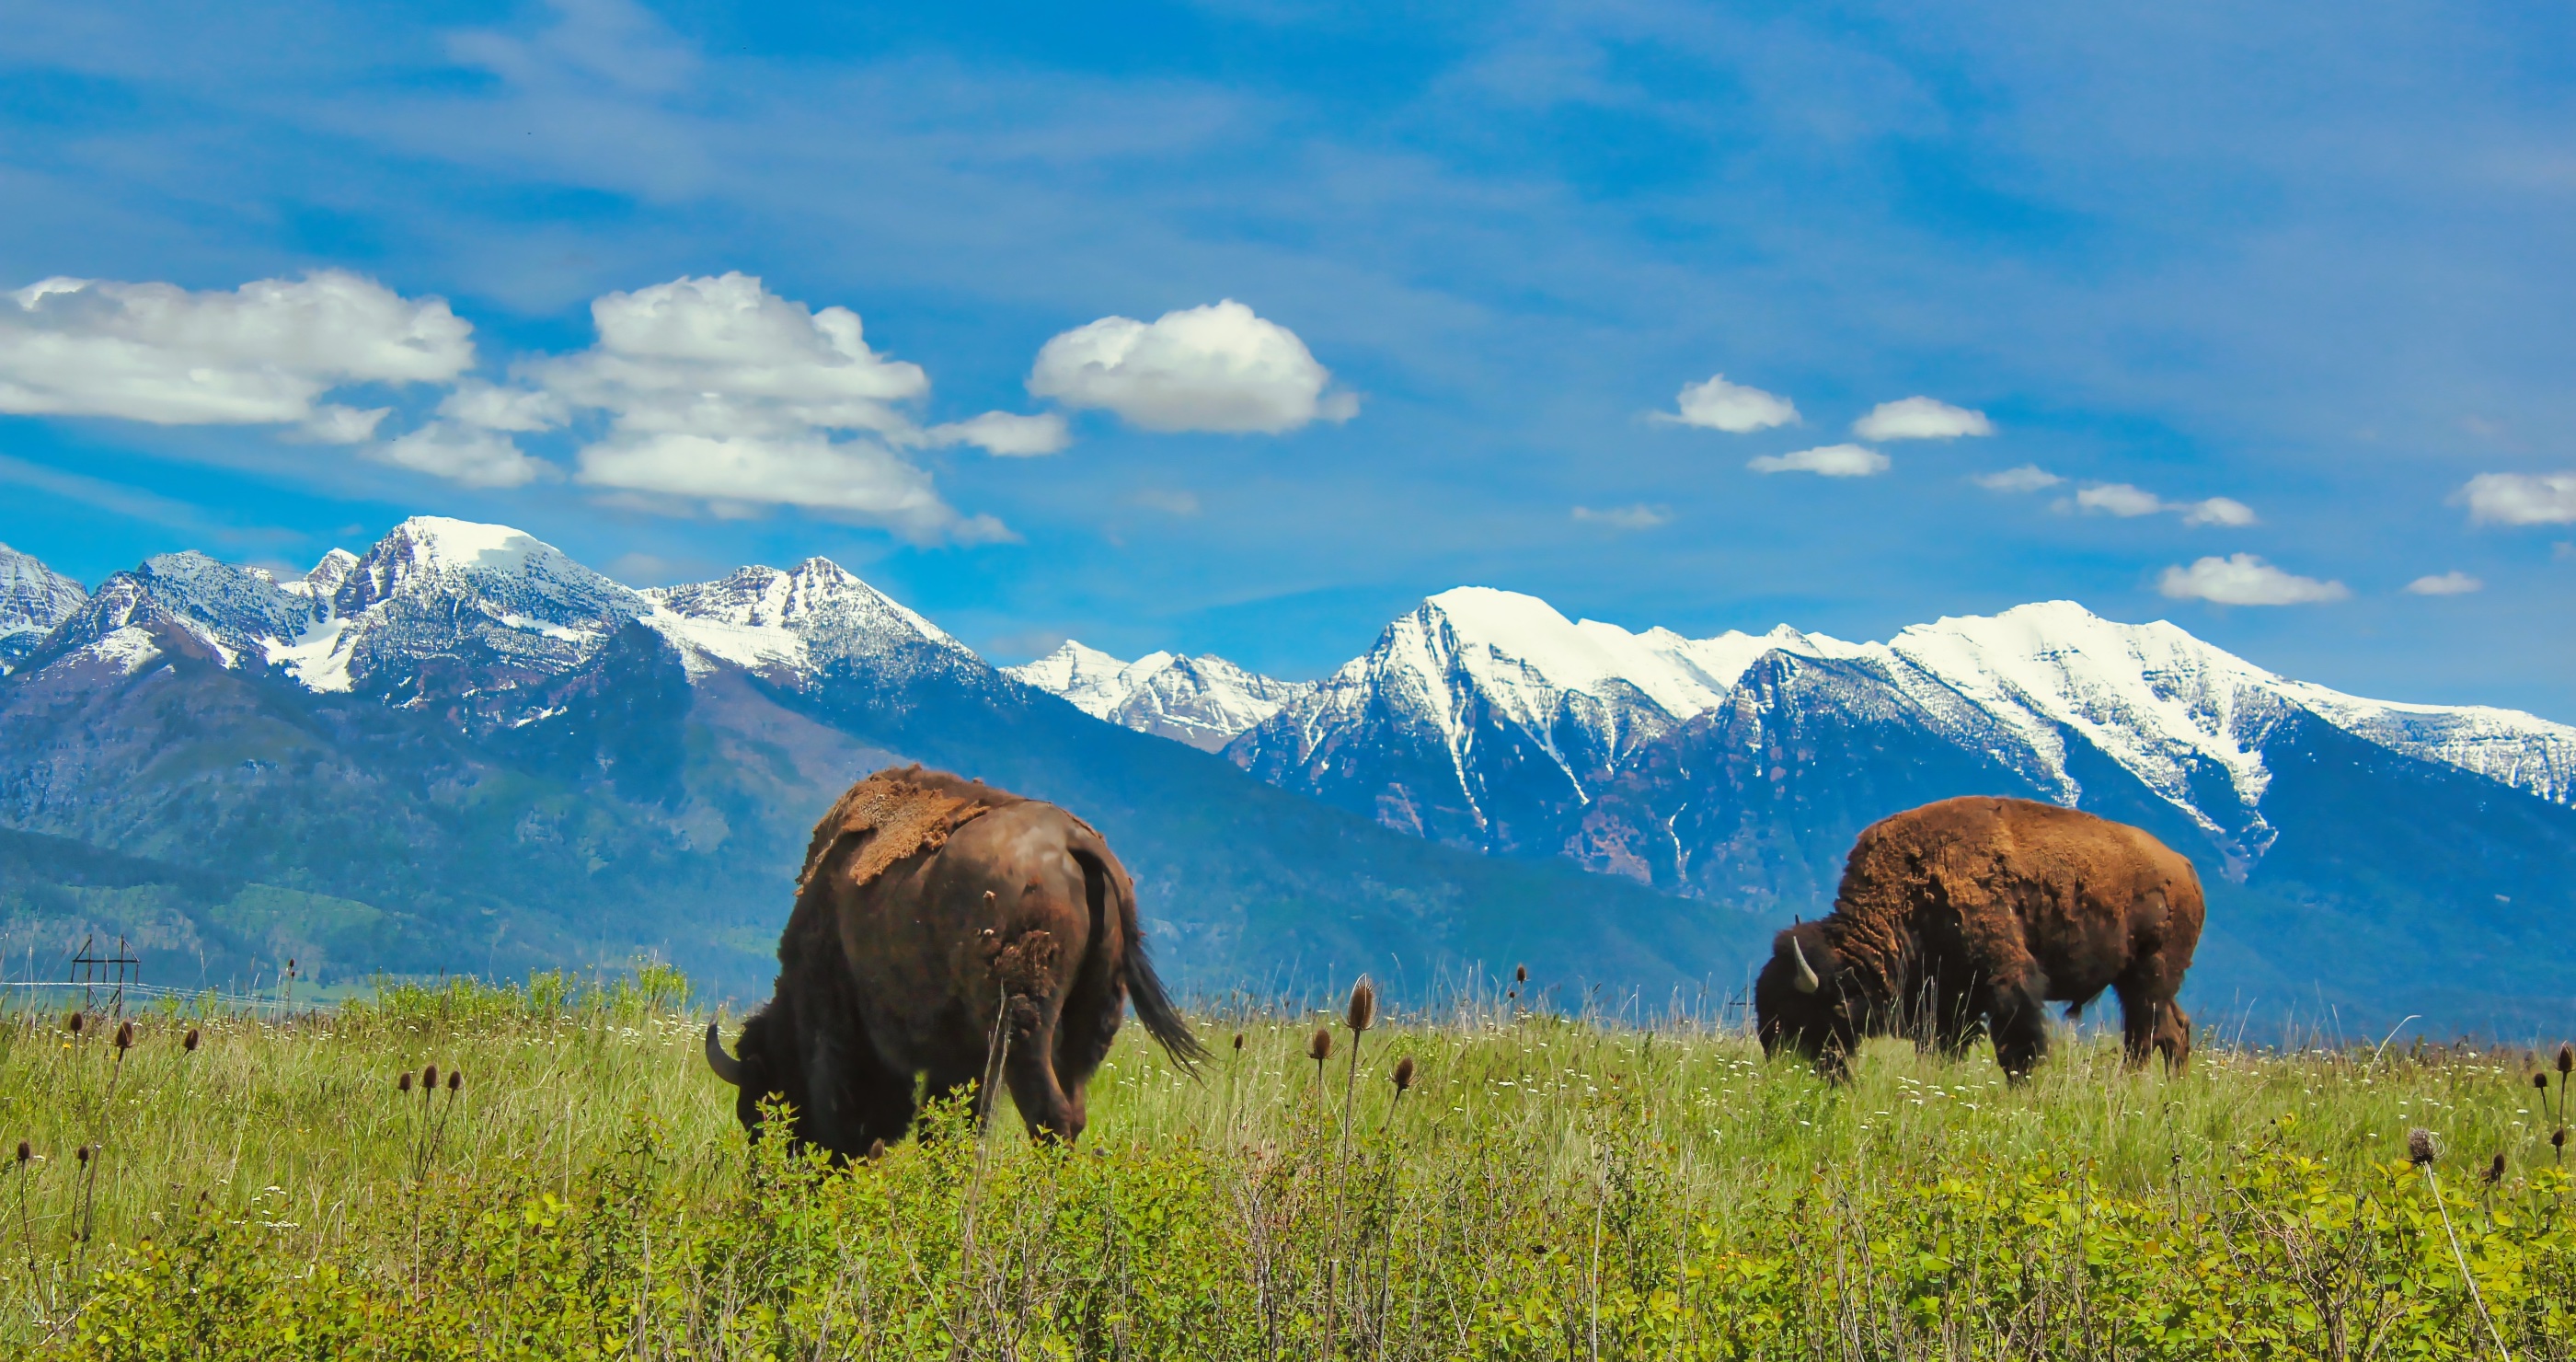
[1972, 914]
[935, 916]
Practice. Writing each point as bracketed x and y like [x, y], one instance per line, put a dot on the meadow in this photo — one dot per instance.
[572, 1184]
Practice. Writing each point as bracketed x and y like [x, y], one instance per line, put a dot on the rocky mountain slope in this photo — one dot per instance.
[33, 600]
[462, 750]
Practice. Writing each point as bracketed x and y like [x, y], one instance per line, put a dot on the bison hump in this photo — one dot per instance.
[891, 816]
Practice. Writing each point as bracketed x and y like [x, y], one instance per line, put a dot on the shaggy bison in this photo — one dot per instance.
[1971, 914]
[934, 915]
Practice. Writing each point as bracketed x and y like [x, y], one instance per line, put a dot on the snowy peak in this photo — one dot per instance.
[791, 624]
[1203, 701]
[34, 600]
[499, 570]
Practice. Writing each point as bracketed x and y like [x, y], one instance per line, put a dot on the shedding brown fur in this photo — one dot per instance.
[1968, 916]
[934, 916]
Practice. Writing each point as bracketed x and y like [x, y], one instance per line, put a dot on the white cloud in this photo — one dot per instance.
[1832, 461]
[2030, 477]
[462, 453]
[1183, 503]
[337, 425]
[1638, 517]
[1005, 433]
[1214, 368]
[1920, 418]
[477, 403]
[264, 353]
[733, 474]
[2452, 583]
[2119, 499]
[2225, 511]
[2125, 500]
[2243, 579]
[1720, 405]
[2521, 498]
[719, 393]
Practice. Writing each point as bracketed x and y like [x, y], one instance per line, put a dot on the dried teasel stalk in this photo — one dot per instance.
[1320, 1047]
[1404, 1074]
[1361, 1013]
[125, 1038]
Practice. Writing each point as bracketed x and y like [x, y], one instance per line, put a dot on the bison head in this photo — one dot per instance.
[749, 1069]
[1798, 1001]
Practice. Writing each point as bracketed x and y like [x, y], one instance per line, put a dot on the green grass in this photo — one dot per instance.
[1548, 1189]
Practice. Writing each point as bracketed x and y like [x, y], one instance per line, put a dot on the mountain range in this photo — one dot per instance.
[461, 750]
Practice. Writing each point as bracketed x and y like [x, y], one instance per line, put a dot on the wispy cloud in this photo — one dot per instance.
[2128, 501]
[2452, 583]
[2030, 477]
[1638, 517]
[1830, 461]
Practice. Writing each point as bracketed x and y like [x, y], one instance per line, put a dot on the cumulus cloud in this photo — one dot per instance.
[261, 354]
[2452, 583]
[2125, 500]
[1005, 433]
[718, 393]
[2521, 498]
[1720, 405]
[462, 453]
[2243, 579]
[1638, 517]
[1215, 368]
[1920, 418]
[1831, 461]
[2030, 477]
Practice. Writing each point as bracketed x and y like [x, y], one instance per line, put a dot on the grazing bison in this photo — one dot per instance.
[1971, 914]
[935, 913]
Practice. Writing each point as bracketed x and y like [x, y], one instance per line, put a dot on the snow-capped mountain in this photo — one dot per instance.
[1488, 719]
[790, 626]
[1203, 701]
[33, 600]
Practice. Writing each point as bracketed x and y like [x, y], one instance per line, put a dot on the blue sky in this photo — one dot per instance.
[2316, 261]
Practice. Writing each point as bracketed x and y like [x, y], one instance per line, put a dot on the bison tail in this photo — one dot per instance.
[1154, 1008]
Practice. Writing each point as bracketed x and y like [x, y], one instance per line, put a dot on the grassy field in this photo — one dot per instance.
[1547, 1188]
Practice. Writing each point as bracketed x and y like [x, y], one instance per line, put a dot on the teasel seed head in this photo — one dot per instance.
[2557, 1138]
[1520, 974]
[455, 1080]
[125, 1036]
[2540, 1081]
[1320, 1048]
[2419, 1145]
[1362, 1012]
[429, 1075]
[75, 1022]
[1238, 1042]
[403, 1084]
[1404, 1073]
[2495, 1170]
[26, 1151]
[84, 1156]
[189, 1044]
[2566, 1057]
[876, 1148]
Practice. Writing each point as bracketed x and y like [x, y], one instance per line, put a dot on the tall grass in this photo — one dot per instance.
[1546, 1188]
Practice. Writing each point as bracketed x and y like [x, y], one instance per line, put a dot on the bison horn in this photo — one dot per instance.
[1807, 980]
[726, 1066]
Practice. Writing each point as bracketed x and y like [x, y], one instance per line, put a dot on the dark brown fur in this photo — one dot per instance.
[1021, 912]
[1969, 915]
